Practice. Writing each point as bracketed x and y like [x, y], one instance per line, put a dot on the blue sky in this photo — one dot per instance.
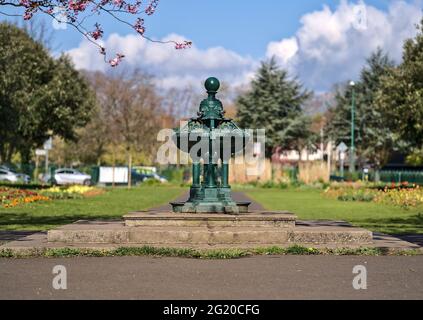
[245, 26]
[318, 41]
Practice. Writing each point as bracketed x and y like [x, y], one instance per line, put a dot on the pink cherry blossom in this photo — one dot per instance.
[115, 61]
[151, 8]
[139, 26]
[78, 12]
[97, 33]
[183, 45]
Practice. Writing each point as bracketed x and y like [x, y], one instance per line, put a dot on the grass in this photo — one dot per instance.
[110, 205]
[200, 254]
[307, 204]
[310, 204]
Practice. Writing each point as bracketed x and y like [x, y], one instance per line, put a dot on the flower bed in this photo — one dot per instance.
[71, 192]
[11, 197]
[402, 195]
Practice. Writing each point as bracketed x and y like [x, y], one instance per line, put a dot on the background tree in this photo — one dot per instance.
[131, 106]
[400, 97]
[374, 141]
[39, 96]
[274, 103]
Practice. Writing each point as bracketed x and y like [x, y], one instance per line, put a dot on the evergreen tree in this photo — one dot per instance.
[274, 103]
[373, 140]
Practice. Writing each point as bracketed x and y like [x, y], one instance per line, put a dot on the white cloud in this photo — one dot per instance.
[332, 45]
[329, 47]
[172, 68]
[285, 50]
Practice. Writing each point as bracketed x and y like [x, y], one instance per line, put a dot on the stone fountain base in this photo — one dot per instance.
[206, 207]
[260, 228]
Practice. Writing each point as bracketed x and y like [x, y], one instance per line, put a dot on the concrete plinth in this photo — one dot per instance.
[170, 229]
[254, 219]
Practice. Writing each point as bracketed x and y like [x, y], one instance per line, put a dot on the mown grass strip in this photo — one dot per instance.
[201, 253]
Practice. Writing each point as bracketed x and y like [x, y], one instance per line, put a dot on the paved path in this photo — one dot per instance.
[6, 236]
[263, 277]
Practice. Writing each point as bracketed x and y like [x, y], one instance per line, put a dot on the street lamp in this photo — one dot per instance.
[352, 149]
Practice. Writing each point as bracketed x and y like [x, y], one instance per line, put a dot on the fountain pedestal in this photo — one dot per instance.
[211, 140]
[210, 217]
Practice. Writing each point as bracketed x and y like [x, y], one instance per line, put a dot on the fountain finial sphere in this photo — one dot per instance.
[212, 84]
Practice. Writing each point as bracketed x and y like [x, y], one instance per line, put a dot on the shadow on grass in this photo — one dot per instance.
[28, 221]
[394, 226]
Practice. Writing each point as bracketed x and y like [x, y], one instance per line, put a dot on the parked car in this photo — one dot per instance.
[68, 176]
[10, 175]
[141, 177]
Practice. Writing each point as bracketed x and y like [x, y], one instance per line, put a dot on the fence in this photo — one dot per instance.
[386, 176]
[399, 176]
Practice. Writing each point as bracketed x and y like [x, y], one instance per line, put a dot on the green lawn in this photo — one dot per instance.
[311, 205]
[307, 204]
[110, 205]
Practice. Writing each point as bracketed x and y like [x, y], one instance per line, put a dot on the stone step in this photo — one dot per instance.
[169, 219]
[171, 235]
[118, 233]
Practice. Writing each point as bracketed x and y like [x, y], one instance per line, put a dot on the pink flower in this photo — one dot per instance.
[97, 33]
[183, 45]
[27, 15]
[151, 7]
[115, 61]
[25, 3]
[139, 26]
[76, 5]
[132, 9]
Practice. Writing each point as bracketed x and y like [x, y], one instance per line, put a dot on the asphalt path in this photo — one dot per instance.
[258, 277]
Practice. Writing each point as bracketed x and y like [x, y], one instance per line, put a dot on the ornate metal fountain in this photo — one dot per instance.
[211, 140]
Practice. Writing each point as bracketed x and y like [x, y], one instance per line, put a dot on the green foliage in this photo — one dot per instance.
[400, 97]
[39, 95]
[201, 253]
[350, 194]
[174, 174]
[61, 195]
[275, 103]
[361, 251]
[415, 158]
[300, 250]
[151, 182]
[272, 184]
[374, 141]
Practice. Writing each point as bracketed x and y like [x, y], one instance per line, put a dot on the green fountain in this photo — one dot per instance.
[210, 218]
[211, 141]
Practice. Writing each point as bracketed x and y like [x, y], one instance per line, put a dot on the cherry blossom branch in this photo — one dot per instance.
[75, 13]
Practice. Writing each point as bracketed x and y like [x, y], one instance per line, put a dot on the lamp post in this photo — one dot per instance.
[352, 149]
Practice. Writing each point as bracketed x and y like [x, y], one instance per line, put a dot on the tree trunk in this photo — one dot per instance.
[113, 168]
[129, 170]
[25, 155]
[377, 174]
